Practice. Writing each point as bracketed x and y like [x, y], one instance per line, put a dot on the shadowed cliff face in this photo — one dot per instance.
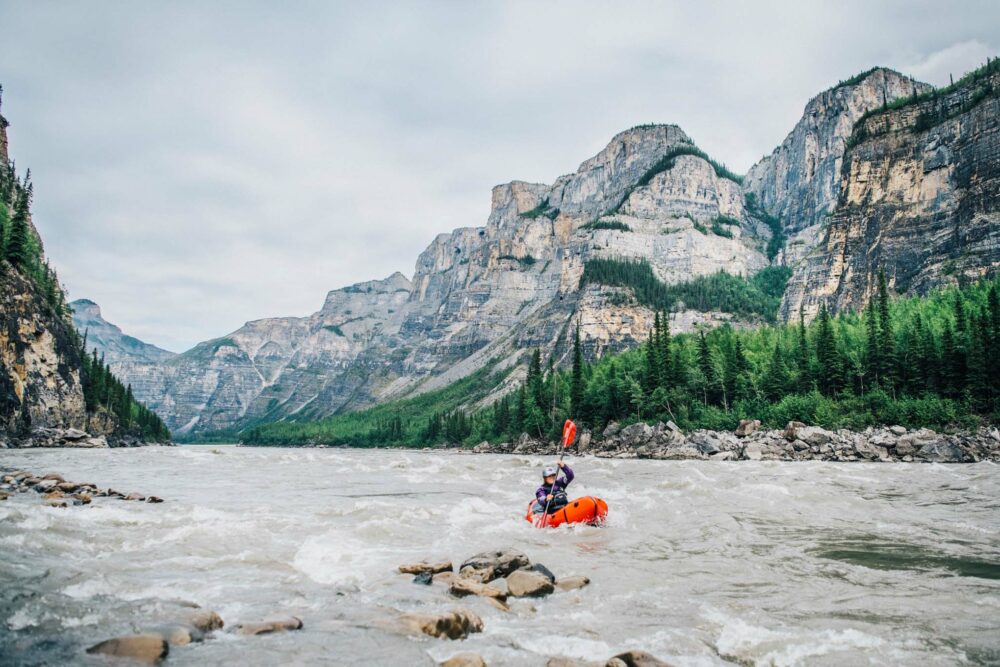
[920, 198]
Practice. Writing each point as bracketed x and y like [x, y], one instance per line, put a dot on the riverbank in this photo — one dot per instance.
[72, 437]
[797, 442]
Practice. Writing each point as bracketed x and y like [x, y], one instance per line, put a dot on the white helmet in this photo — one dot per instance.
[548, 471]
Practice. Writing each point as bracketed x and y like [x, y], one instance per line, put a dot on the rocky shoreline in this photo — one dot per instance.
[71, 437]
[749, 442]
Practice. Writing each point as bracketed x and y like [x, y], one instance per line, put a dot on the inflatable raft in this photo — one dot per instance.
[588, 509]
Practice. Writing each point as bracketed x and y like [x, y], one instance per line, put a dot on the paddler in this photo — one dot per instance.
[552, 492]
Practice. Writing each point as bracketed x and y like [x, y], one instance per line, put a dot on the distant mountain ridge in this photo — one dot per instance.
[480, 296]
[109, 339]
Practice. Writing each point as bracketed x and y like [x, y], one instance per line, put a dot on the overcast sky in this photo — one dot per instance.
[196, 168]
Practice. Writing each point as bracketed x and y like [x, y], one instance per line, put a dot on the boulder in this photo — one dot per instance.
[154, 499]
[637, 659]
[636, 434]
[424, 578]
[671, 426]
[461, 587]
[456, 624]
[583, 442]
[707, 442]
[424, 566]
[572, 583]
[812, 435]
[753, 452]
[482, 448]
[898, 430]
[746, 427]
[267, 627]
[72, 434]
[46, 485]
[791, 428]
[722, 456]
[681, 453]
[100, 442]
[611, 430]
[135, 496]
[942, 451]
[870, 451]
[489, 565]
[59, 479]
[141, 648]
[81, 499]
[526, 583]
[464, 660]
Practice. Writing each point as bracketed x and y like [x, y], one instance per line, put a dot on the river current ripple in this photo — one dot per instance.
[701, 563]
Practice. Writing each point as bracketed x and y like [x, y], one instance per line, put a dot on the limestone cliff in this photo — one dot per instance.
[800, 181]
[920, 197]
[479, 295]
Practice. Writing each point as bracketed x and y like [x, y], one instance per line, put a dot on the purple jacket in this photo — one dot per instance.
[560, 484]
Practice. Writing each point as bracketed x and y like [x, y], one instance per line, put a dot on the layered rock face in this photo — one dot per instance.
[920, 199]
[39, 365]
[479, 295]
[800, 181]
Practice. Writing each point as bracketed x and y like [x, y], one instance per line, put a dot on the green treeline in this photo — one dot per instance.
[924, 361]
[21, 251]
[760, 295]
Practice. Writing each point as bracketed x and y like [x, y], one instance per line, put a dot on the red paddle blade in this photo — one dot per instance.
[569, 433]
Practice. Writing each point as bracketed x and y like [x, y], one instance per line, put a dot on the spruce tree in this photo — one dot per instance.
[886, 337]
[18, 250]
[576, 383]
[827, 357]
[802, 356]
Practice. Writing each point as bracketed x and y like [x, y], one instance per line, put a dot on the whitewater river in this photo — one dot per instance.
[702, 563]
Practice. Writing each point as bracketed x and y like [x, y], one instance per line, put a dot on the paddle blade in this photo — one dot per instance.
[569, 433]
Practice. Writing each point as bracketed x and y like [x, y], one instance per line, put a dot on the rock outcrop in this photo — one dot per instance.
[920, 198]
[800, 182]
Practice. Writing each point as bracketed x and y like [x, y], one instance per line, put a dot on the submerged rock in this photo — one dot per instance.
[423, 566]
[636, 659]
[572, 583]
[267, 627]
[456, 624]
[143, 648]
[464, 660]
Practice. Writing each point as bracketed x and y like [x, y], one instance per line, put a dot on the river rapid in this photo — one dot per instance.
[701, 563]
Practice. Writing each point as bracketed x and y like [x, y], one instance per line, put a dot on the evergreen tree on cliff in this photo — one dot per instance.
[576, 383]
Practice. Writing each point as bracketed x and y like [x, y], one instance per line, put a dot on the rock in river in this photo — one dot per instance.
[489, 565]
[423, 566]
[266, 627]
[464, 660]
[456, 624]
[142, 648]
[526, 583]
